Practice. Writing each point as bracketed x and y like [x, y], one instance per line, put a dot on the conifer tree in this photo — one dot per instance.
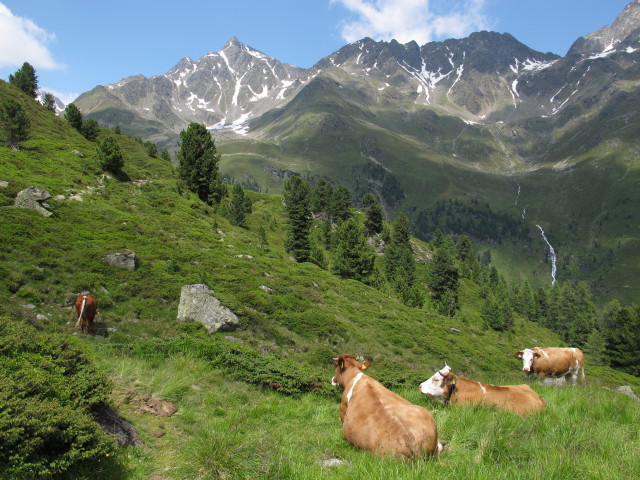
[340, 204]
[49, 102]
[373, 212]
[14, 122]
[239, 206]
[152, 149]
[90, 129]
[443, 280]
[399, 264]
[353, 257]
[622, 339]
[297, 206]
[26, 80]
[165, 155]
[110, 155]
[321, 197]
[73, 115]
[198, 164]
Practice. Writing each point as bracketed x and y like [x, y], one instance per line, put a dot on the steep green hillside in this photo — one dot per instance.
[574, 174]
[295, 318]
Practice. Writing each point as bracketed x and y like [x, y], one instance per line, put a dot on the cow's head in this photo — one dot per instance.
[527, 355]
[441, 385]
[347, 363]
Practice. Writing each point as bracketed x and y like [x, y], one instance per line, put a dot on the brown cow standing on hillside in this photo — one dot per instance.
[376, 419]
[553, 362]
[449, 387]
[86, 309]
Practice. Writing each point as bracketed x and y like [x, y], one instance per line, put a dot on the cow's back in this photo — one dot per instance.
[557, 361]
[522, 399]
[377, 419]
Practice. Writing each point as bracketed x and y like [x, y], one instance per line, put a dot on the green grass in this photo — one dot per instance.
[226, 429]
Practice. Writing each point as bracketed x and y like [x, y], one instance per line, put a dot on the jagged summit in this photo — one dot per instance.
[485, 77]
[622, 34]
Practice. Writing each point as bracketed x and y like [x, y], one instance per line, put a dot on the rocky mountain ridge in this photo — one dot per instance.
[486, 77]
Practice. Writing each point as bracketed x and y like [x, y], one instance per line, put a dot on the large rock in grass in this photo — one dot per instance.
[197, 304]
[34, 198]
[125, 259]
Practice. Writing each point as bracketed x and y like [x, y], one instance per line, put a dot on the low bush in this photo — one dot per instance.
[47, 393]
[242, 363]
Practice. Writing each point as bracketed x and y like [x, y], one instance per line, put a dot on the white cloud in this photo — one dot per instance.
[419, 20]
[21, 41]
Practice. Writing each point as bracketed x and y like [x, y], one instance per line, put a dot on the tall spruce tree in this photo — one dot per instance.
[298, 209]
[373, 212]
[73, 115]
[321, 196]
[443, 280]
[14, 122]
[353, 257]
[198, 164]
[26, 80]
[399, 264]
[341, 204]
[239, 206]
[622, 340]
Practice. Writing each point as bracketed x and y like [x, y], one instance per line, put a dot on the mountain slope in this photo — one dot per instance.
[515, 136]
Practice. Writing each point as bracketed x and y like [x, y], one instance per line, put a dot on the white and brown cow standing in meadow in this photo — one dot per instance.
[447, 386]
[86, 309]
[553, 362]
[376, 419]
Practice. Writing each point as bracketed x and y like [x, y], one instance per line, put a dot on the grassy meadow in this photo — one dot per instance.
[231, 423]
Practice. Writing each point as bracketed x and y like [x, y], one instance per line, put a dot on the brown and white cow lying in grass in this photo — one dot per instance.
[553, 362]
[449, 387]
[376, 419]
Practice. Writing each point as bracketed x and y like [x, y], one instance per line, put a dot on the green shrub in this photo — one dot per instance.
[241, 362]
[47, 393]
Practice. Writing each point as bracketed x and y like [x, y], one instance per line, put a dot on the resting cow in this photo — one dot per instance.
[86, 310]
[560, 363]
[376, 419]
[447, 386]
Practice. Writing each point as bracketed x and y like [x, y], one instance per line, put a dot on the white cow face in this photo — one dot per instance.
[435, 386]
[527, 355]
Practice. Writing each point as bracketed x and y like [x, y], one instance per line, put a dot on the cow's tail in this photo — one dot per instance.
[84, 301]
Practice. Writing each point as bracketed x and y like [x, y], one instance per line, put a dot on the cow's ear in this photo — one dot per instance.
[519, 354]
[365, 365]
[536, 355]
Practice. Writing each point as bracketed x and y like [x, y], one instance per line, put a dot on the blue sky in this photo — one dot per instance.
[75, 45]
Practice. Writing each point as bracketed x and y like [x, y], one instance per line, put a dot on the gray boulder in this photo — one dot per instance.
[34, 198]
[197, 304]
[124, 259]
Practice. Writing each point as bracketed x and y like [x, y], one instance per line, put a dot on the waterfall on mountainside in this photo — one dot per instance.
[552, 255]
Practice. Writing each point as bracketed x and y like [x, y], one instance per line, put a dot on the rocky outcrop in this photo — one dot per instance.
[34, 198]
[124, 259]
[197, 304]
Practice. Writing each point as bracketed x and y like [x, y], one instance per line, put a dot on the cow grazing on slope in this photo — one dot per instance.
[86, 309]
[376, 419]
[447, 386]
[560, 363]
